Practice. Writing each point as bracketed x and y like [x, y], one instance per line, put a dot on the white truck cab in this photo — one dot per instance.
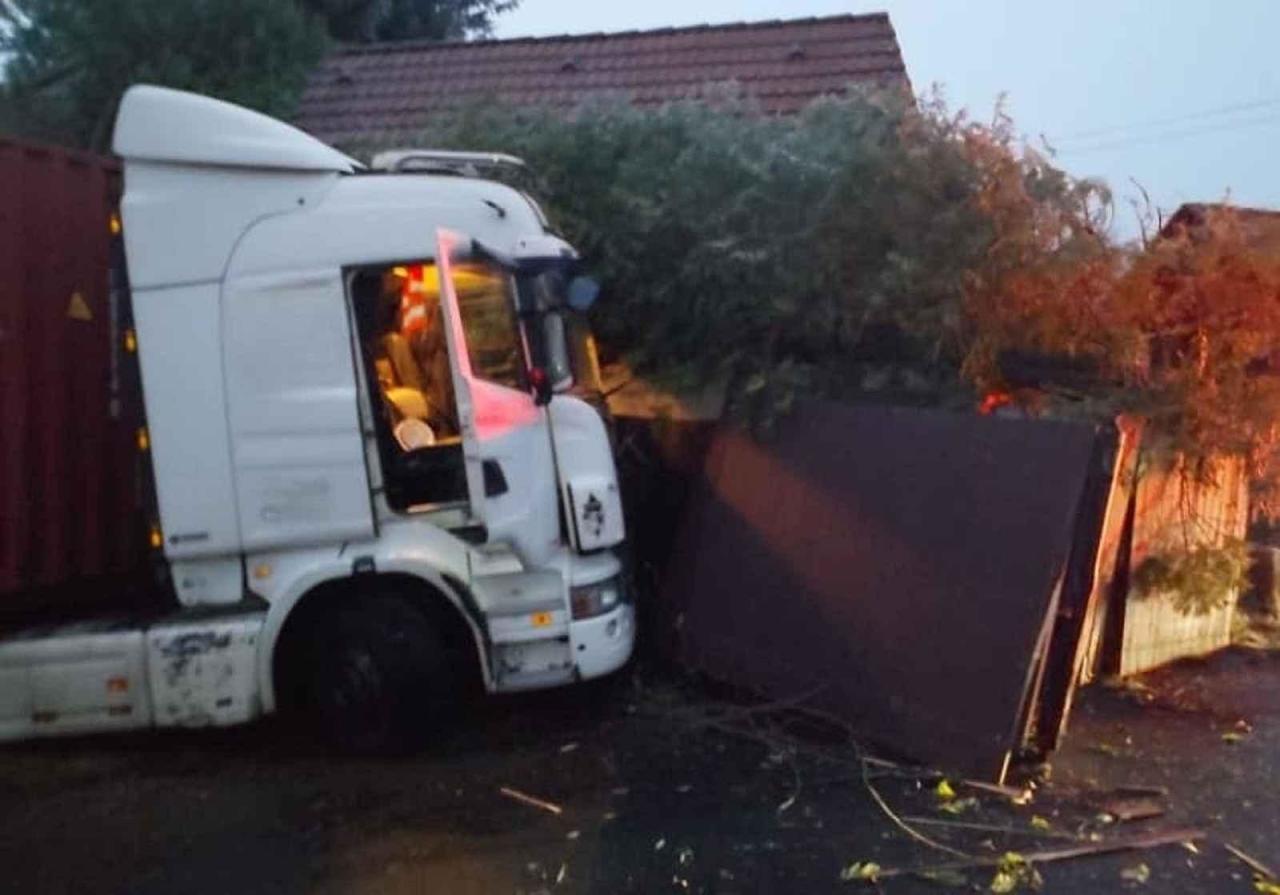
[373, 483]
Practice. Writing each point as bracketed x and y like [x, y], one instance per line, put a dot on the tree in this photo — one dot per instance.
[362, 21]
[70, 60]
[825, 252]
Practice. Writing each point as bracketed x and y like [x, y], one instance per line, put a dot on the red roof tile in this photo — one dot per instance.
[389, 91]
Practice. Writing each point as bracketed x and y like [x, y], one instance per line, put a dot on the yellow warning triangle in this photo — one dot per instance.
[78, 309]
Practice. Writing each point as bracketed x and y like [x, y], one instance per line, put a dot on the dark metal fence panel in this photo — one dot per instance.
[898, 563]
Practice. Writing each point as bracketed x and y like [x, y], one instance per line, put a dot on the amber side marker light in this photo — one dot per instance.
[157, 538]
[144, 440]
[130, 341]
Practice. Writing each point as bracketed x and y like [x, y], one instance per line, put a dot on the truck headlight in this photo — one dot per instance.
[590, 600]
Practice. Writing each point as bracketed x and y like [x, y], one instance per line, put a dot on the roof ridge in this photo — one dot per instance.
[393, 46]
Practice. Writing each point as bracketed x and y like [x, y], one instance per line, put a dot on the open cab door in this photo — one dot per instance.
[448, 245]
[502, 420]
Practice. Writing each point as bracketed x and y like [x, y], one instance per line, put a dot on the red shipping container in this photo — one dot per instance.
[74, 484]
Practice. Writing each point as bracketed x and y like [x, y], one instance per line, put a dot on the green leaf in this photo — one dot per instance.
[1003, 882]
[868, 871]
[1138, 873]
[958, 806]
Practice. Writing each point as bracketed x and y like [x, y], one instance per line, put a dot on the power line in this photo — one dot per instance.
[1176, 119]
[1169, 135]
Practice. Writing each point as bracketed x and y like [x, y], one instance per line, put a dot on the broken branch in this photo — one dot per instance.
[893, 815]
[531, 800]
[992, 828]
[1253, 863]
[1016, 793]
[1149, 840]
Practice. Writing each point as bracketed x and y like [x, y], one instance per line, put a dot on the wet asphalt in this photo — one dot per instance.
[659, 789]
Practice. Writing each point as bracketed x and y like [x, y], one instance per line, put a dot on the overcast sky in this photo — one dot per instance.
[1182, 96]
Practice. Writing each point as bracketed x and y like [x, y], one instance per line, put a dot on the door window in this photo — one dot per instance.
[486, 299]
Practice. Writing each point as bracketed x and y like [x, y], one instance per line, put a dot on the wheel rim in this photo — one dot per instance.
[354, 700]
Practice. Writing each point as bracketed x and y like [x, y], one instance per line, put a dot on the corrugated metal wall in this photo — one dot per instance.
[72, 482]
[1174, 510]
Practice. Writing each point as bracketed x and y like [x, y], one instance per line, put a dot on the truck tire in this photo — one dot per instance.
[380, 678]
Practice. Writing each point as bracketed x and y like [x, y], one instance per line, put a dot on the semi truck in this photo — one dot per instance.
[377, 486]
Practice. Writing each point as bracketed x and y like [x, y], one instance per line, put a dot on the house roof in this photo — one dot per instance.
[389, 91]
[1260, 226]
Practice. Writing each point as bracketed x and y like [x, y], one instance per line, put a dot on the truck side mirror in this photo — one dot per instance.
[583, 292]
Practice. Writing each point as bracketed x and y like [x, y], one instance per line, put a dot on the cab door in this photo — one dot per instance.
[506, 438]
[297, 447]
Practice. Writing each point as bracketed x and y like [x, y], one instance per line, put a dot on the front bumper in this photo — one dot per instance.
[594, 647]
[603, 644]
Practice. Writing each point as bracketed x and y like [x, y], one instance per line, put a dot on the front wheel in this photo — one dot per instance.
[380, 678]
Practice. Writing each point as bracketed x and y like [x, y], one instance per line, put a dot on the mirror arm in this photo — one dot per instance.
[540, 384]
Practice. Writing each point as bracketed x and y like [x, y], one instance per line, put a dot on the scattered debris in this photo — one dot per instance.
[1019, 795]
[660, 845]
[1253, 863]
[1132, 687]
[564, 870]
[686, 857]
[899, 823]
[866, 871]
[994, 828]
[567, 748]
[1139, 789]
[531, 800]
[1153, 839]
[572, 835]
[1123, 807]
[958, 806]
[1039, 823]
[943, 790]
[1014, 870]
[1138, 873]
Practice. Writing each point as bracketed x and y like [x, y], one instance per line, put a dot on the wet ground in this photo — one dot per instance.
[657, 790]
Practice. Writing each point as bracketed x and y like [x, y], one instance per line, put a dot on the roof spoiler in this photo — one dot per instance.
[157, 124]
[442, 161]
